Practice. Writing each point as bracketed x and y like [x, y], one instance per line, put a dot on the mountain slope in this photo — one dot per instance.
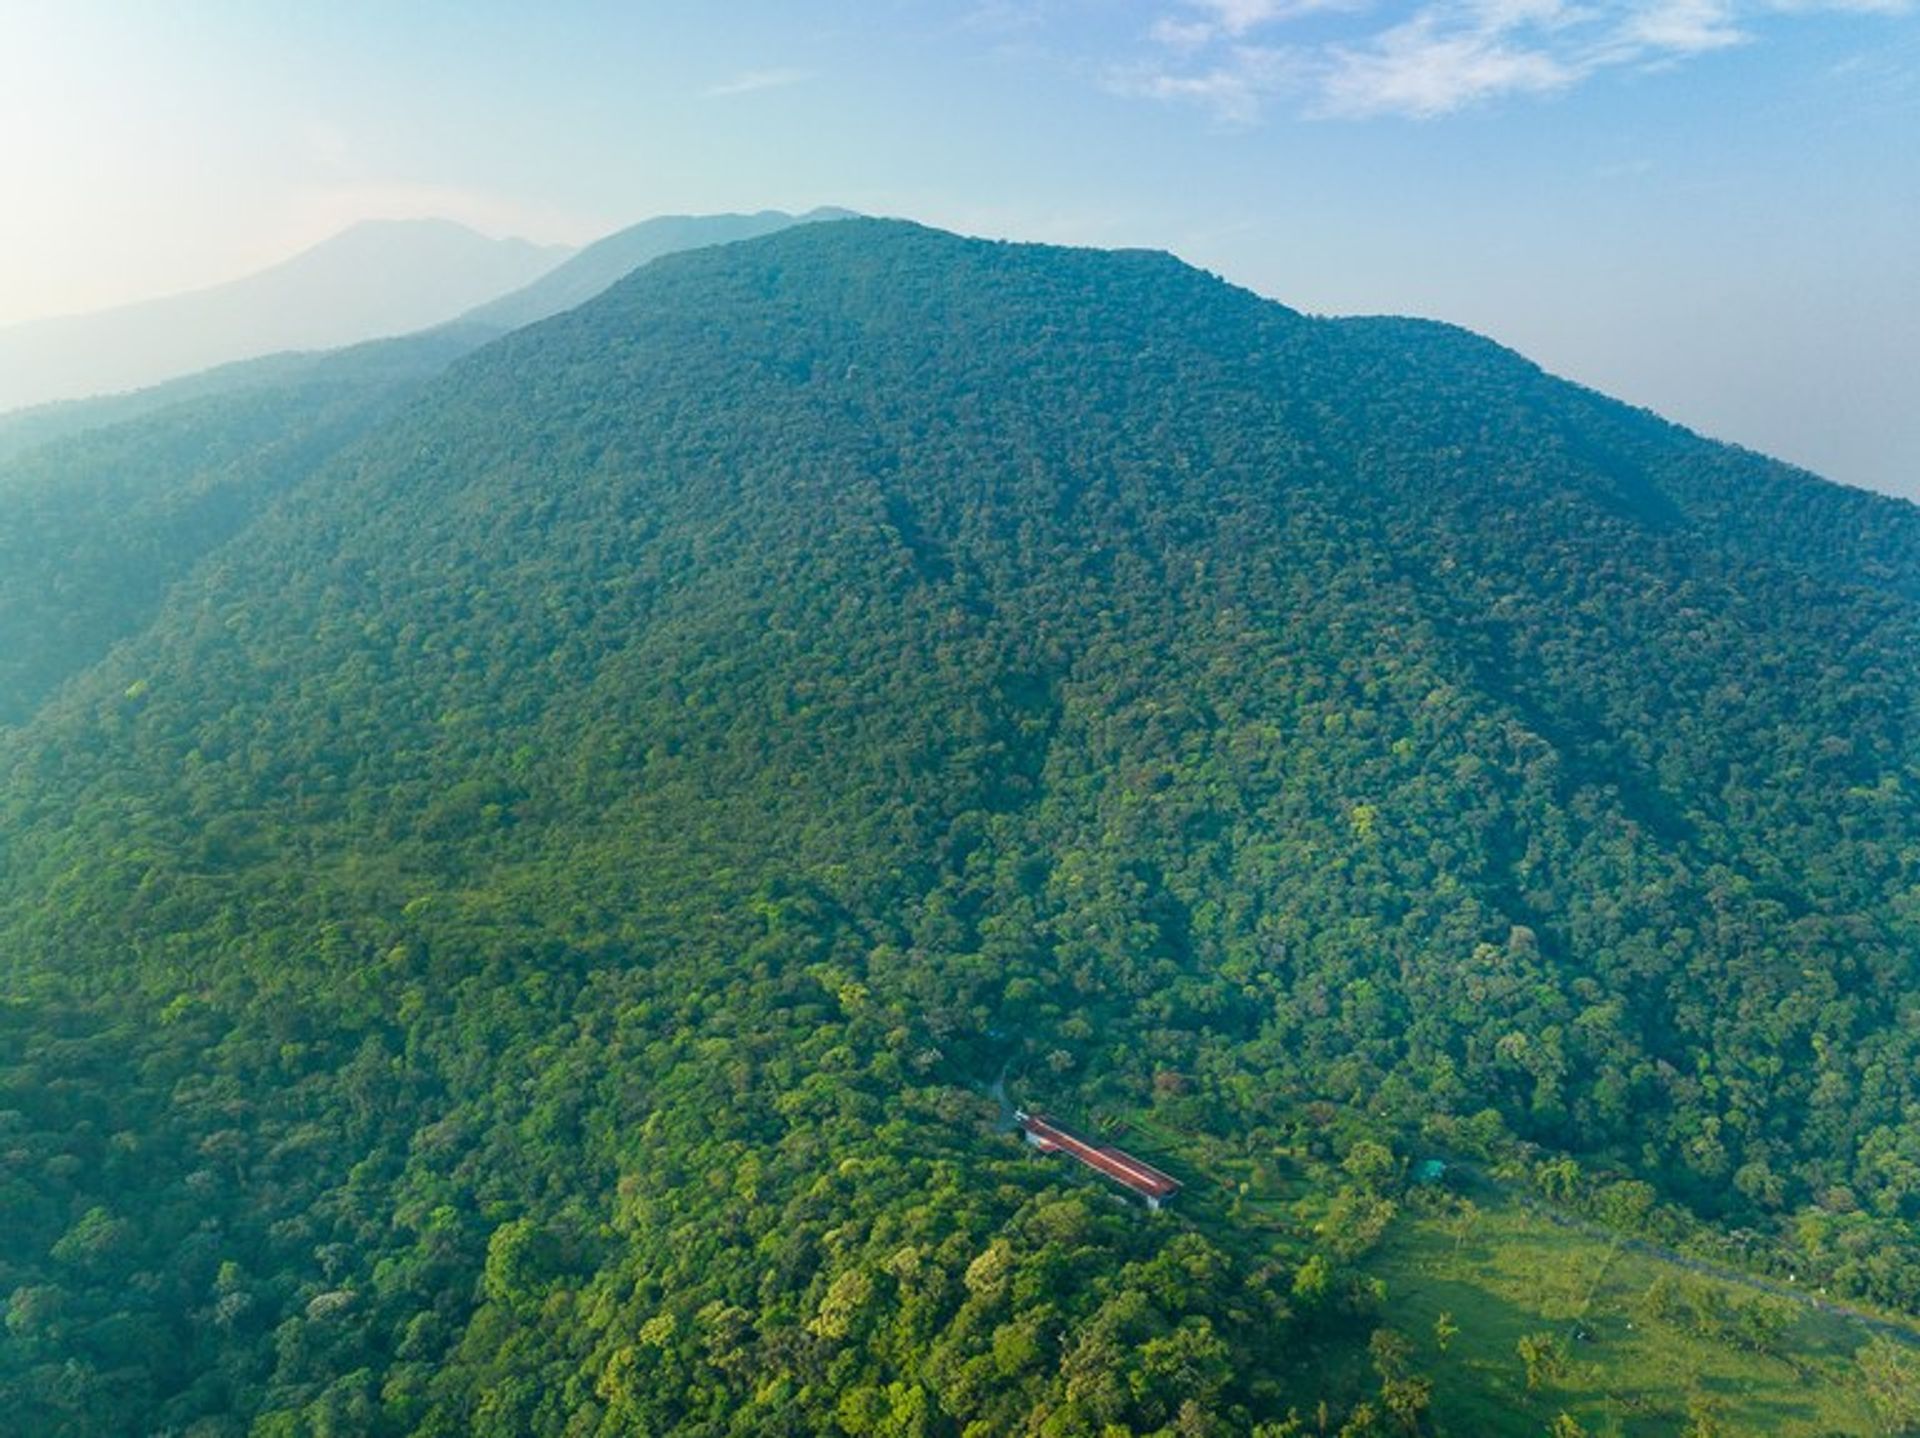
[573, 281]
[398, 359]
[1754, 507]
[105, 503]
[96, 525]
[378, 278]
[600, 264]
[526, 930]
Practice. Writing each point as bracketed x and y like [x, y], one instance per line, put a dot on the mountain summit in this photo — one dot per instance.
[534, 934]
[600, 264]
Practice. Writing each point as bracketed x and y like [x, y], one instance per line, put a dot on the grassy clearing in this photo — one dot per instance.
[1641, 1345]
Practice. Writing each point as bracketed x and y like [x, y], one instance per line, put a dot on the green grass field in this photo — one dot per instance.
[1642, 1346]
[1625, 1370]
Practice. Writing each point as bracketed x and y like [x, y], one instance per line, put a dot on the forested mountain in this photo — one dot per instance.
[520, 939]
[601, 263]
[106, 502]
[382, 277]
[407, 357]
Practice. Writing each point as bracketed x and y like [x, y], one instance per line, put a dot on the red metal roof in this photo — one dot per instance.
[1116, 1164]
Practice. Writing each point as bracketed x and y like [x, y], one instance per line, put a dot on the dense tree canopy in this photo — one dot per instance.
[517, 937]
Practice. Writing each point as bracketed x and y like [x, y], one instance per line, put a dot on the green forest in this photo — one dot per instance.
[519, 875]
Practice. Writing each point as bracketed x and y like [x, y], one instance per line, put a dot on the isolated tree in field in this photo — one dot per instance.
[1391, 1350]
[1543, 1357]
[1408, 1400]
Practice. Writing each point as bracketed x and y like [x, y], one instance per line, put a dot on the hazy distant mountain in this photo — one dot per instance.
[620, 254]
[383, 277]
[573, 282]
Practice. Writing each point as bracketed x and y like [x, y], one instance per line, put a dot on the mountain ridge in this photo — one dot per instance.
[597, 266]
[573, 280]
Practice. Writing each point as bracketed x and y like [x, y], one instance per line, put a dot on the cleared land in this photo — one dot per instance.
[1628, 1342]
[1643, 1345]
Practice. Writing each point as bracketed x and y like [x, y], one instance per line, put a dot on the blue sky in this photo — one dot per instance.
[1711, 207]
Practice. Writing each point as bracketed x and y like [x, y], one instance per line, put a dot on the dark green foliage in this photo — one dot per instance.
[106, 503]
[516, 943]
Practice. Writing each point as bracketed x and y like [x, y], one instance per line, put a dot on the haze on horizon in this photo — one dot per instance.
[1709, 207]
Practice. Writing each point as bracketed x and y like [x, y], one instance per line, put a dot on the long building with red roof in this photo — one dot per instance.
[1122, 1167]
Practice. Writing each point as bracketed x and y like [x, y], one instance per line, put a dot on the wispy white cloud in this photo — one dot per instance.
[1235, 58]
[1179, 34]
[1233, 88]
[1237, 17]
[1423, 69]
[1677, 28]
[753, 81]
